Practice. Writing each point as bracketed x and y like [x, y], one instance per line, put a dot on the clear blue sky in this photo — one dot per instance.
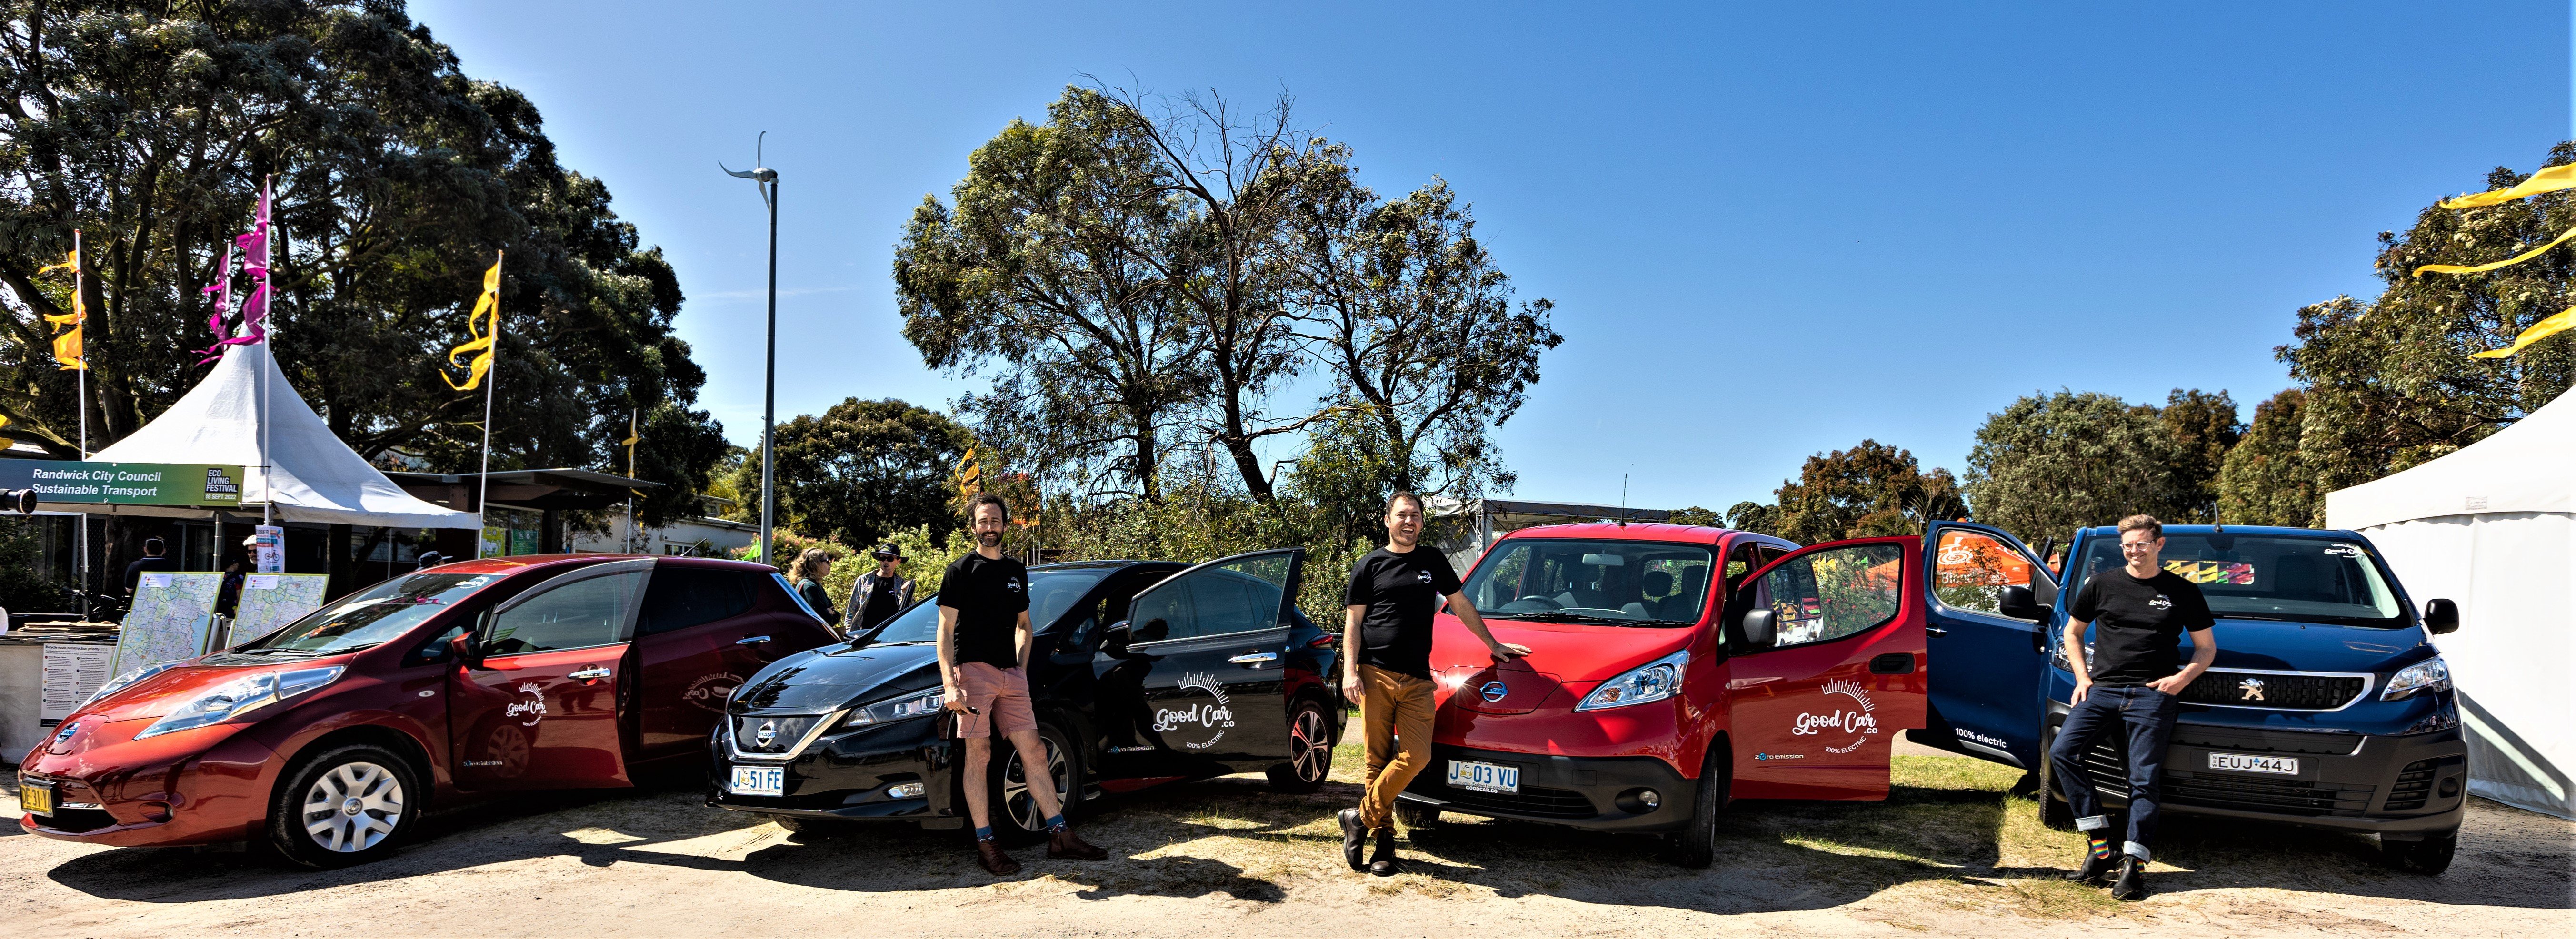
[1769, 230]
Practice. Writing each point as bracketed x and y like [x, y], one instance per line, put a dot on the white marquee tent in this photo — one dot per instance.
[2493, 528]
[314, 477]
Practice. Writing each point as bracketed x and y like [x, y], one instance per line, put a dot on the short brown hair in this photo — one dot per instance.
[1403, 496]
[982, 499]
[2145, 523]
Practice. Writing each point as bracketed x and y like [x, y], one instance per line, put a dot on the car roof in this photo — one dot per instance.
[1632, 531]
[524, 562]
[2113, 531]
[1094, 565]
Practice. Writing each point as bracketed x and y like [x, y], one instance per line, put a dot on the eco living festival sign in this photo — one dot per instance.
[99, 483]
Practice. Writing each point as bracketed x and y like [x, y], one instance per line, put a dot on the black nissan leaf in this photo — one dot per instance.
[1142, 672]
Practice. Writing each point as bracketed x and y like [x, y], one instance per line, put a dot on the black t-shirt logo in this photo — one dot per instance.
[1422, 576]
[2161, 602]
[1014, 585]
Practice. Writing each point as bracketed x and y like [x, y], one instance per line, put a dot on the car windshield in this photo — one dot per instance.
[2306, 579]
[1051, 592]
[1617, 583]
[375, 615]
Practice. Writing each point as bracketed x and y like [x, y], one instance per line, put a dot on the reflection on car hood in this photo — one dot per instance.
[2304, 647]
[829, 678]
[1570, 652]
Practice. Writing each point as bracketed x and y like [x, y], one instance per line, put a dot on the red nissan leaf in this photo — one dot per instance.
[330, 737]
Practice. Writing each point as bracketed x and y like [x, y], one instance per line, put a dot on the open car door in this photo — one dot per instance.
[1988, 704]
[1828, 668]
[539, 709]
[1198, 668]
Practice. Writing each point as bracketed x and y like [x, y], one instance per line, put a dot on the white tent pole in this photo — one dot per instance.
[491, 380]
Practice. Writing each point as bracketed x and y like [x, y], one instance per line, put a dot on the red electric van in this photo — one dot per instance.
[1672, 669]
[329, 738]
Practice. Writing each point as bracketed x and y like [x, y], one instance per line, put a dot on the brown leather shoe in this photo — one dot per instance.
[990, 855]
[1065, 844]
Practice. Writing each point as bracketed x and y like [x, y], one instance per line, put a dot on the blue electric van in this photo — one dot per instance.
[2328, 706]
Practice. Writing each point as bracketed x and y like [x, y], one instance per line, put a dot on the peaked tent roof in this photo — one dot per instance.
[317, 477]
[2527, 467]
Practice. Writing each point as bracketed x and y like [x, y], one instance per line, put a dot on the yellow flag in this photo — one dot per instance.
[2552, 179]
[2508, 262]
[67, 345]
[634, 435]
[2563, 321]
[484, 324]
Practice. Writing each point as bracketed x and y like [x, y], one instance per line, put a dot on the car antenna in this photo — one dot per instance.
[1623, 500]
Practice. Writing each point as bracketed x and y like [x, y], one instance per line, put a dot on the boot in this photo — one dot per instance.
[990, 855]
[1063, 843]
[1382, 860]
[2098, 864]
[1354, 835]
[2132, 884]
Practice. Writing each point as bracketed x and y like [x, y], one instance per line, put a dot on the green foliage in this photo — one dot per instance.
[1199, 520]
[22, 590]
[1870, 489]
[2266, 480]
[2203, 427]
[2046, 465]
[862, 469]
[1754, 516]
[1698, 516]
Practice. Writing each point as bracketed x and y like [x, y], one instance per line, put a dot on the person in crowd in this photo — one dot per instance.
[236, 570]
[984, 646]
[880, 593]
[808, 571]
[1386, 669]
[2128, 686]
[155, 559]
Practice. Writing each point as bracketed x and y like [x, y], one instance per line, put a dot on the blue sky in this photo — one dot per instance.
[1769, 230]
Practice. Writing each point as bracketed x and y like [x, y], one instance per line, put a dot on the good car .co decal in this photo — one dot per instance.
[1201, 716]
[534, 708]
[709, 692]
[1841, 723]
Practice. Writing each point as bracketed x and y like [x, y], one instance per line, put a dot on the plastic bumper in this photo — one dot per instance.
[1595, 793]
[850, 775]
[2404, 787]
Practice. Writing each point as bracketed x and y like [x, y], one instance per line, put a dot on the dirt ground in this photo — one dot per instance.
[1953, 852]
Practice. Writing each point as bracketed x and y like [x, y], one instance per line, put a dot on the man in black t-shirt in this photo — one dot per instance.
[2138, 615]
[1386, 668]
[983, 671]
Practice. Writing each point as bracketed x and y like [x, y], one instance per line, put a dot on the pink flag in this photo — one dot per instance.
[254, 308]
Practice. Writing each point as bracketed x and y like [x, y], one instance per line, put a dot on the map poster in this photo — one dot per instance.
[73, 670]
[269, 601]
[171, 615]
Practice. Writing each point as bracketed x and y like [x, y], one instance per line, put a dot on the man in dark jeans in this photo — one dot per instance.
[2138, 614]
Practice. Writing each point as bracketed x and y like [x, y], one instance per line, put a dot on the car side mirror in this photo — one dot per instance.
[1117, 635]
[466, 648]
[2441, 616]
[2018, 603]
[1757, 628]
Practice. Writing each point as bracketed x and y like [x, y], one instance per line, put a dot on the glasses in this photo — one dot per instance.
[2133, 547]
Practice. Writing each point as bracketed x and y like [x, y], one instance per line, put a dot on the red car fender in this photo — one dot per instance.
[287, 747]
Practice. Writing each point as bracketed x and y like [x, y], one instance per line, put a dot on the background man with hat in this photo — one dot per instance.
[879, 593]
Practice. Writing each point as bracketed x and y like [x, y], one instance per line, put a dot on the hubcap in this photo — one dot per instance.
[1309, 747]
[353, 807]
[1015, 787]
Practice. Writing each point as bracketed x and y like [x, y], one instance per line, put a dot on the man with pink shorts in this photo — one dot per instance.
[983, 667]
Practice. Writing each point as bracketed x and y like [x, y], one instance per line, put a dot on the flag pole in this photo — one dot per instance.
[268, 347]
[491, 378]
[80, 379]
[633, 418]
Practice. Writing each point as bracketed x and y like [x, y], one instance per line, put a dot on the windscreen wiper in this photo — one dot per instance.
[1555, 616]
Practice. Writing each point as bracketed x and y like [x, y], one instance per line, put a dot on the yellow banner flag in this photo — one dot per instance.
[2508, 262]
[2551, 179]
[67, 345]
[2563, 321]
[484, 324]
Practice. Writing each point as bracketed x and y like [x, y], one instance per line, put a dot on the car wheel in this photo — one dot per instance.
[2429, 856]
[1416, 815]
[1695, 846]
[349, 805]
[1016, 817]
[1310, 751]
[2054, 812]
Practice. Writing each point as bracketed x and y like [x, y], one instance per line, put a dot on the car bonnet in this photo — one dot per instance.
[832, 677]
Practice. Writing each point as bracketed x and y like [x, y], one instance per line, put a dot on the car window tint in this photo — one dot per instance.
[1971, 569]
[681, 597]
[1161, 613]
[1833, 594]
[1225, 601]
[589, 612]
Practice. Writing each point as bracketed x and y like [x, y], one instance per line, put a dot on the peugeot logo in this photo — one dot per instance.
[768, 731]
[1493, 691]
[2252, 688]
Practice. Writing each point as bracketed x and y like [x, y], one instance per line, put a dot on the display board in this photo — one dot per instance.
[73, 671]
[269, 601]
[169, 621]
[125, 483]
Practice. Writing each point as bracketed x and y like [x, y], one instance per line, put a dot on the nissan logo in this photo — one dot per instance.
[768, 731]
[1493, 691]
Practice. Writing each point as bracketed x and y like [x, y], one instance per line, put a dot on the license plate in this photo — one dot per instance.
[1484, 777]
[758, 781]
[2243, 763]
[35, 798]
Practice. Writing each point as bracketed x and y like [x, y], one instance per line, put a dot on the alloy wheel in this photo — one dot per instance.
[1015, 786]
[353, 807]
[1310, 746]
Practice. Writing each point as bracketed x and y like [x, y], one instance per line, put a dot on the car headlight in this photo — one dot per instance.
[1653, 681]
[2430, 674]
[241, 696]
[916, 704]
[122, 682]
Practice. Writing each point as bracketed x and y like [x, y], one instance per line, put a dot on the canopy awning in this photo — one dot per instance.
[2527, 467]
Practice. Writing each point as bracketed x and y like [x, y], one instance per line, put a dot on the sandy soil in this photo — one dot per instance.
[1953, 852]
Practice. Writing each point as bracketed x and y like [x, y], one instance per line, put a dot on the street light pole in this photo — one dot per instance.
[767, 180]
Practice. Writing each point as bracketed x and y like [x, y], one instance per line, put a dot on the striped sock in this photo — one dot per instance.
[2100, 846]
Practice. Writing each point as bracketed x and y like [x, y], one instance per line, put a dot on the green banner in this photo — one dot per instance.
[85, 481]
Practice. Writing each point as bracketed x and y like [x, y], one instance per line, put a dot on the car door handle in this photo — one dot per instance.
[1254, 658]
[589, 673]
[749, 641]
[1935, 631]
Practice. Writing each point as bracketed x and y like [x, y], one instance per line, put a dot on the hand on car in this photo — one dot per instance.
[2171, 684]
[1505, 651]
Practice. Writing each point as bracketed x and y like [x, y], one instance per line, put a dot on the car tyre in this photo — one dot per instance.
[1695, 846]
[347, 805]
[1415, 815]
[2429, 857]
[2054, 811]
[1310, 751]
[1016, 817]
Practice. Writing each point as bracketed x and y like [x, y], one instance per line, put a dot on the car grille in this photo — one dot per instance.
[77, 820]
[2278, 692]
[2414, 786]
[2243, 740]
[2109, 767]
[1531, 801]
[784, 733]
